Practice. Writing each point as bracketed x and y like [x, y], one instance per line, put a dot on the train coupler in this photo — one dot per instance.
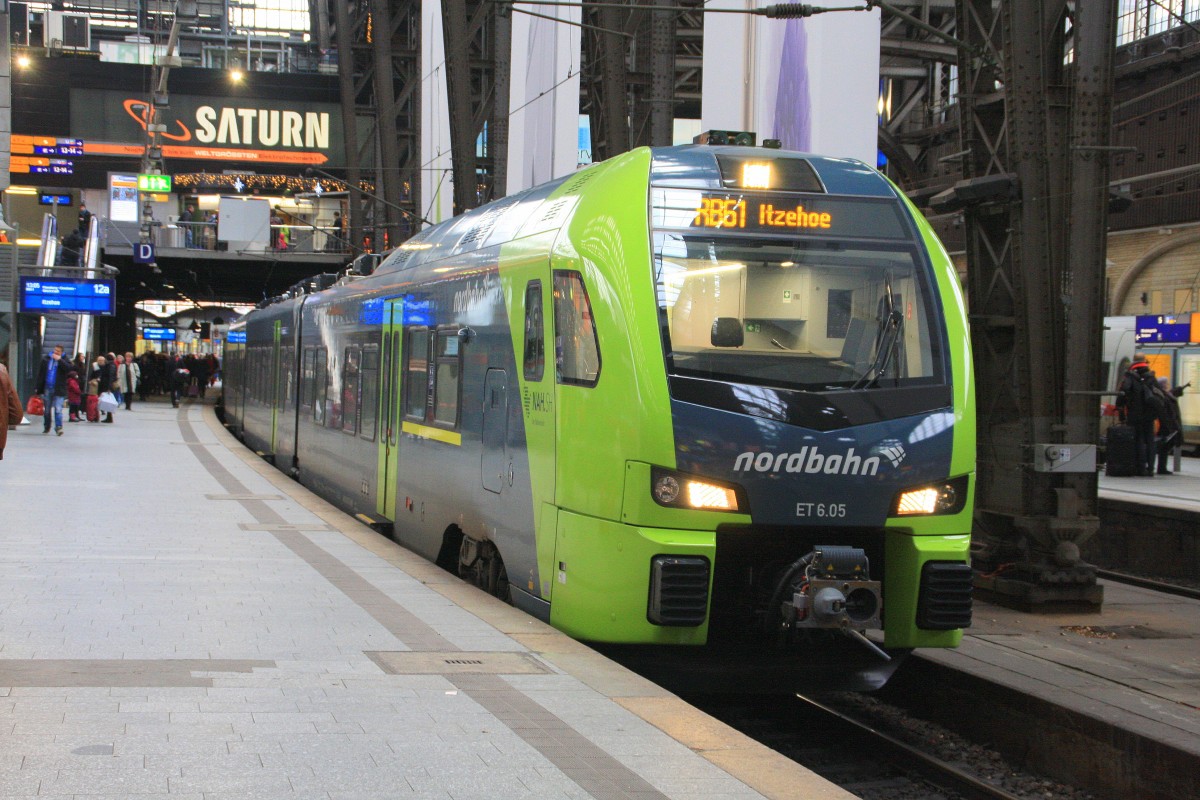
[835, 590]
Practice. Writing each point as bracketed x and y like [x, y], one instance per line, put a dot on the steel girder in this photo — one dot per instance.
[379, 57]
[1035, 82]
[478, 37]
[396, 35]
[630, 73]
[355, 73]
[915, 66]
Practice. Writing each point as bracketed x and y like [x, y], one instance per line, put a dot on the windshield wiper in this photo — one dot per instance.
[890, 325]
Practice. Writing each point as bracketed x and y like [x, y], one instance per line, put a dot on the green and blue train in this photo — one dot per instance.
[686, 395]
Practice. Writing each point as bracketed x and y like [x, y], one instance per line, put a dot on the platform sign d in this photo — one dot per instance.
[143, 253]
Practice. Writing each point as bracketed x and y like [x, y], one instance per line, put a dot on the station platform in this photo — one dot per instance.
[178, 619]
[1180, 490]
[1106, 702]
[1110, 701]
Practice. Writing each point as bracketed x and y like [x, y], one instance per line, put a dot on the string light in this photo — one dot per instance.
[278, 183]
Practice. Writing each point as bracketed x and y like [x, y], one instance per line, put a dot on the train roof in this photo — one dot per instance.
[684, 166]
[698, 166]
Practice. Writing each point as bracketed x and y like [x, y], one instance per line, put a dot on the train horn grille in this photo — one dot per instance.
[678, 591]
[944, 603]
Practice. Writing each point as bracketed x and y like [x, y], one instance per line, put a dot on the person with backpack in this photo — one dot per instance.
[1138, 405]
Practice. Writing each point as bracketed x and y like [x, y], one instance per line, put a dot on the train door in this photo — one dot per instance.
[388, 459]
[536, 406]
[276, 391]
[494, 463]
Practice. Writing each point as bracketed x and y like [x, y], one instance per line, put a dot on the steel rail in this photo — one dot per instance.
[956, 779]
[1147, 583]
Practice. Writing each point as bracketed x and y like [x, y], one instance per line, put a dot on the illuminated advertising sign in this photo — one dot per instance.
[1163, 329]
[237, 131]
[158, 334]
[123, 198]
[67, 296]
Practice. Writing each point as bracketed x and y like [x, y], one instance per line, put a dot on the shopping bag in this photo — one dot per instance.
[36, 407]
[108, 402]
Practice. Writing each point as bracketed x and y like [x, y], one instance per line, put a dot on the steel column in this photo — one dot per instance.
[477, 42]
[395, 34]
[1033, 257]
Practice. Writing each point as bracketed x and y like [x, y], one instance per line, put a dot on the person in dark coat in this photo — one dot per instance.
[1170, 427]
[109, 382]
[71, 254]
[179, 377]
[52, 383]
[1134, 406]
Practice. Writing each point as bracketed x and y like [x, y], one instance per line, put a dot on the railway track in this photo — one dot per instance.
[860, 758]
[1190, 592]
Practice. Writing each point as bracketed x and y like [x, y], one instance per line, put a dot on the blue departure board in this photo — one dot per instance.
[158, 334]
[68, 296]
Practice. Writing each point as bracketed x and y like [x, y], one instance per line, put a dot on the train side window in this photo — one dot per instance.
[319, 393]
[416, 373]
[350, 397]
[576, 346]
[535, 333]
[308, 382]
[369, 392]
[446, 384]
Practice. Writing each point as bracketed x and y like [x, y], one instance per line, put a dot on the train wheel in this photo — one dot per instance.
[498, 578]
[479, 563]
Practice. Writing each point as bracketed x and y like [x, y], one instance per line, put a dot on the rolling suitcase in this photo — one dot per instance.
[1120, 457]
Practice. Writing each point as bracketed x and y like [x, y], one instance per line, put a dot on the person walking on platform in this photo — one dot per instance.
[52, 383]
[179, 376]
[1137, 404]
[11, 412]
[129, 375]
[95, 386]
[116, 363]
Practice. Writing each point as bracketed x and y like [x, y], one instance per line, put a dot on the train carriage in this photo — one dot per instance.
[685, 394]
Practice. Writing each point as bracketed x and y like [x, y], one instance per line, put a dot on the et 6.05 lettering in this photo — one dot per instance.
[822, 510]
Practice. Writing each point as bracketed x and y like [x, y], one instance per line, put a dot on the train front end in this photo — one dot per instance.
[814, 481]
[818, 365]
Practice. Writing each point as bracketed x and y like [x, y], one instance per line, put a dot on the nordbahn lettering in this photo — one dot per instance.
[810, 460]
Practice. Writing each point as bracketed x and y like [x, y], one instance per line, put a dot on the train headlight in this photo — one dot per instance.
[666, 489]
[677, 490]
[943, 497]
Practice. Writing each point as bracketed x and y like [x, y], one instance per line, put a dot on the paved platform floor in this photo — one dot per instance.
[1180, 490]
[180, 620]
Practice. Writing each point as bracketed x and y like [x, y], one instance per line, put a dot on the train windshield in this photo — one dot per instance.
[807, 313]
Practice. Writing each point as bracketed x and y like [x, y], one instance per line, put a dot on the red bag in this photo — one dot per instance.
[35, 407]
[92, 407]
